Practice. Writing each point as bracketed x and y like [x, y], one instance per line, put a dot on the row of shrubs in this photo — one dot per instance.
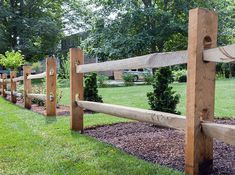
[162, 98]
[179, 76]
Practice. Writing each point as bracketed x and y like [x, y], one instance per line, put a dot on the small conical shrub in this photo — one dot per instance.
[163, 98]
[91, 88]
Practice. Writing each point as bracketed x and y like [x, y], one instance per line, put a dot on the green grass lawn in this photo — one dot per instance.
[32, 144]
[135, 96]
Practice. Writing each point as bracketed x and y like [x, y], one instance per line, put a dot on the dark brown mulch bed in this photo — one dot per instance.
[161, 145]
[61, 110]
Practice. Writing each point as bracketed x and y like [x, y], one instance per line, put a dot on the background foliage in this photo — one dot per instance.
[34, 27]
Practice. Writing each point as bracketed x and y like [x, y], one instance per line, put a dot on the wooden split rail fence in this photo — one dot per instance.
[201, 58]
[27, 95]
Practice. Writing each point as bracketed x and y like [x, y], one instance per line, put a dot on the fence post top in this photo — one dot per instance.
[76, 48]
[26, 65]
[199, 9]
[51, 57]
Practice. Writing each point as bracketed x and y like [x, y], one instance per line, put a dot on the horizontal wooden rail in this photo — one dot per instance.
[21, 78]
[224, 54]
[154, 117]
[7, 80]
[146, 61]
[225, 133]
[220, 54]
[37, 96]
[37, 76]
[18, 94]
[8, 92]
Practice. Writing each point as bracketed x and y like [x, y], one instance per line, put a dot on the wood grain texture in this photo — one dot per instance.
[27, 87]
[200, 90]
[76, 89]
[4, 85]
[21, 78]
[149, 116]
[37, 76]
[7, 81]
[51, 86]
[13, 87]
[8, 92]
[225, 133]
[17, 94]
[146, 61]
[37, 96]
[223, 54]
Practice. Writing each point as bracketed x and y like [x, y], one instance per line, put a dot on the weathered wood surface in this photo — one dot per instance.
[146, 61]
[153, 117]
[51, 86]
[220, 54]
[7, 81]
[18, 94]
[4, 85]
[37, 76]
[200, 91]
[224, 54]
[37, 96]
[21, 78]
[225, 133]
[76, 90]
[13, 86]
[27, 87]
[8, 92]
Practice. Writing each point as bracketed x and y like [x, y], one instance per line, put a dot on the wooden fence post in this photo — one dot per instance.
[51, 86]
[76, 90]
[27, 87]
[4, 85]
[13, 86]
[200, 90]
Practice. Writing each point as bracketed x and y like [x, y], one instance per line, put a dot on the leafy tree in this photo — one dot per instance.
[163, 98]
[121, 29]
[138, 28]
[12, 60]
[34, 27]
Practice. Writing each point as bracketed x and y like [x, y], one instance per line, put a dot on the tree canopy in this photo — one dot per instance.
[34, 27]
[120, 29]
